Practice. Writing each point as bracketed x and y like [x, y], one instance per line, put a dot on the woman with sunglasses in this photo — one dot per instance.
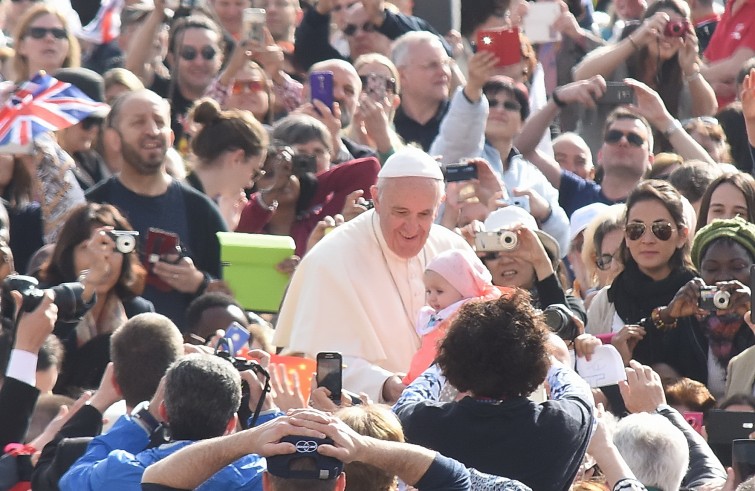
[730, 195]
[295, 191]
[600, 250]
[43, 41]
[662, 52]
[656, 258]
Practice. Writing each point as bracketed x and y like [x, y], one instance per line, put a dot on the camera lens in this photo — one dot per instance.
[509, 240]
[721, 299]
[125, 244]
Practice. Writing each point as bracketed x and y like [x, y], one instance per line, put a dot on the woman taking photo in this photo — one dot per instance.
[117, 278]
[656, 258]
[44, 41]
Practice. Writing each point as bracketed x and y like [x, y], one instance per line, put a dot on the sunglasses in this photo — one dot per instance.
[188, 53]
[614, 136]
[636, 230]
[603, 262]
[489, 256]
[41, 32]
[90, 122]
[247, 86]
[507, 105]
[351, 29]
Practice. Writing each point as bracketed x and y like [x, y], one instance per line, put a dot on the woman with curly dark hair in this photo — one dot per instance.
[498, 353]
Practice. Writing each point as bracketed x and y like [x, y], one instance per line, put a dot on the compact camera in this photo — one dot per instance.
[125, 240]
[501, 240]
[676, 28]
[67, 297]
[460, 172]
[711, 298]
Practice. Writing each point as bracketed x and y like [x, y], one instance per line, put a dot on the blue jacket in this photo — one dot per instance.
[116, 461]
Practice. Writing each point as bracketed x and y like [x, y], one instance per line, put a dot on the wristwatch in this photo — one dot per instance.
[144, 418]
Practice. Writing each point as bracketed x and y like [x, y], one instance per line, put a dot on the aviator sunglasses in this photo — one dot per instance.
[614, 136]
[662, 230]
[188, 53]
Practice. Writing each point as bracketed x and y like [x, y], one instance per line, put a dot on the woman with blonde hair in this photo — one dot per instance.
[44, 41]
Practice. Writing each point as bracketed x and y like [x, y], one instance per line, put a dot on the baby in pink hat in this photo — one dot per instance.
[451, 279]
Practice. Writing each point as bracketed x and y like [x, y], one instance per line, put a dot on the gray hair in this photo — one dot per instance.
[298, 129]
[400, 51]
[654, 449]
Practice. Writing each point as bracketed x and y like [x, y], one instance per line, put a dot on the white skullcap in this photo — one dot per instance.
[582, 217]
[411, 162]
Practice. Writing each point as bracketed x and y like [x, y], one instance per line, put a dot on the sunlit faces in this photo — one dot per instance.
[439, 293]
[143, 133]
[608, 255]
[652, 254]
[365, 39]
[727, 201]
[511, 271]
[624, 157]
[666, 47]
[716, 147]
[504, 118]
[725, 260]
[281, 17]
[197, 73]
[573, 155]
[407, 207]
[48, 52]
[84, 258]
[229, 13]
[249, 91]
[428, 72]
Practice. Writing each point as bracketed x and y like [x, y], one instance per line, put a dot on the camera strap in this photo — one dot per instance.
[223, 350]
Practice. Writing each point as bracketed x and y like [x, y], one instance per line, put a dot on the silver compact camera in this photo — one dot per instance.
[501, 240]
[711, 298]
[125, 240]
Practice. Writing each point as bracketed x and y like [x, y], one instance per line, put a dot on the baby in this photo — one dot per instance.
[451, 279]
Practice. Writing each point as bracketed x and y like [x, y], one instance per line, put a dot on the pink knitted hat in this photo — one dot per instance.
[464, 270]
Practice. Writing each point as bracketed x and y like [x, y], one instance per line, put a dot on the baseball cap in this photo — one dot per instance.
[324, 467]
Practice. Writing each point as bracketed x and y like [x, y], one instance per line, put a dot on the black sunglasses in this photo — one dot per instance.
[636, 230]
[188, 53]
[41, 32]
[507, 105]
[603, 262]
[614, 136]
[90, 122]
[351, 29]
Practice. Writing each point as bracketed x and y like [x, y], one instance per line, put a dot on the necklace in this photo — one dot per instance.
[407, 310]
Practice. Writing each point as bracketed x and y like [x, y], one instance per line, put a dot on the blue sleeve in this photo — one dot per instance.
[264, 417]
[444, 474]
[426, 387]
[109, 459]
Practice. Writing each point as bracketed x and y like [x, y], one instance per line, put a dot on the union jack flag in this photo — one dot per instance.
[40, 105]
[106, 25]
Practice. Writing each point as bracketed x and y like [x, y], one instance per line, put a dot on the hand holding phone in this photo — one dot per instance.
[253, 24]
[321, 87]
[503, 43]
[617, 93]
[330, 373]
[161, 246]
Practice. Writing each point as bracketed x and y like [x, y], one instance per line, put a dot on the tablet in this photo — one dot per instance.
[726, 426]
[248, 262]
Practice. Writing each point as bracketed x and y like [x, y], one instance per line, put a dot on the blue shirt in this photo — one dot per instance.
[576, 192]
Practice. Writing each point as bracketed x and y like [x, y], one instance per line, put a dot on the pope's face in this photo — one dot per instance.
[407, 207]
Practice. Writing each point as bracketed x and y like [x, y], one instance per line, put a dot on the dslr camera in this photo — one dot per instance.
[125, 240]
[501, 240]
[711, 298]
[558, 318]
[67, 297]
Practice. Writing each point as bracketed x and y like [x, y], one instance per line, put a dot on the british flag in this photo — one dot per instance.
[106, 25]
[40, 105]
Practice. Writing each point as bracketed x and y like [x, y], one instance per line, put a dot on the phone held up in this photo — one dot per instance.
[330, 373]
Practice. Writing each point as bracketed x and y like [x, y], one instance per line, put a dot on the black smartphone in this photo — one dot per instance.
[330, 373]
[460, 172]
[303, 164]
[617, 93]
[752, 284]
[743, 459]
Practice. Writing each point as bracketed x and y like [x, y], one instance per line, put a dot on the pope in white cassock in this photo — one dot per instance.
[359, 290]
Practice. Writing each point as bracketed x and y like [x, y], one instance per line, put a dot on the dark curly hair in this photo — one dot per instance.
[496, 349]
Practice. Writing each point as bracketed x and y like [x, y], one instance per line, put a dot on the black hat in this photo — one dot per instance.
[324, 468]
[89, 82]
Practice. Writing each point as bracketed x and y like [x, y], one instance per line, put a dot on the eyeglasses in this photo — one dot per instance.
[247, 86]
[636, 230]
[90, 122]
[614, 136]
[41, 32]
[603, 262]
[507, 105]
[338, 8]
[188, 53]
[351, 29]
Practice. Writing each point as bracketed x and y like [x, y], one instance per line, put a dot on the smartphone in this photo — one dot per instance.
[694, 419]
[743, 459]
[253, 24]
[460, 172]
[330, 373]
[504, 43]
[238, 336]
[376, 86]
[160, 244]
[321, 87]
[752, 283]
[303, 164]
[617, 93]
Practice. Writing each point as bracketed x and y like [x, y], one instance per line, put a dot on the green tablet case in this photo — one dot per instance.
[248, 262]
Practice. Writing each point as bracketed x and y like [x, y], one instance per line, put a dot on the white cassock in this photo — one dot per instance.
[352, 294]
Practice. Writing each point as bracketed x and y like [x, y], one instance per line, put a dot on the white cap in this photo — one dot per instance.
[411, 162]
[582, 217]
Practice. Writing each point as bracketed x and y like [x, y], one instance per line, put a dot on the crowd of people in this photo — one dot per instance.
[536, 272]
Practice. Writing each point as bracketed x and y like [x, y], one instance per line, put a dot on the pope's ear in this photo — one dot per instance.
[375, 195]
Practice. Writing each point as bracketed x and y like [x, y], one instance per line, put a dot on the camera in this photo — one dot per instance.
[559, 319]
[460, 172]
[501, 240]
[676, 28]
[303, 164]
[67, 297]
[711, 298]
[125, 240]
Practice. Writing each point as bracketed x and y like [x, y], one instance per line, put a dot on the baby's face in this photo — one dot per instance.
[439, 293]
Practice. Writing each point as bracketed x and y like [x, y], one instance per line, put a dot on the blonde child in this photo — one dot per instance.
[451, 279]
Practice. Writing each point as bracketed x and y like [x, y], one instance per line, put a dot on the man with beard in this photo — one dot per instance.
[138, 128]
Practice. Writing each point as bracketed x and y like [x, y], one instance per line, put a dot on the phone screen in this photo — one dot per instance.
[329, 373]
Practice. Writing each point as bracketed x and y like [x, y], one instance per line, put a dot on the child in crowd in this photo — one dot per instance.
[451, 279]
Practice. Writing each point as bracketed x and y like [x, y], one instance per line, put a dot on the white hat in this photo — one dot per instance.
[508, 217]
[411, 162]
[582, 217]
